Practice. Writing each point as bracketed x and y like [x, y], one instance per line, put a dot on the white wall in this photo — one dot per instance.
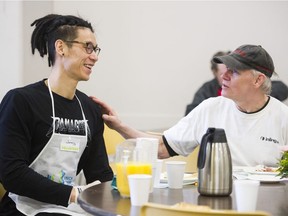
[35, 67]
[156, 54]
[11, 59]
[18, 66]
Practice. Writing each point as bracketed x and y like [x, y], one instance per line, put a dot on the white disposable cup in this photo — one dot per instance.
[157, 172]
[175, 173]
[139, 185]
[246, 194]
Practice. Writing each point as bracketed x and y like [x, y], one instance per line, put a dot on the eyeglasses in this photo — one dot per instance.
[88, 47]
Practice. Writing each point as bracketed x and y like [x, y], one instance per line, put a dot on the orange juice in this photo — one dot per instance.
[123, 171]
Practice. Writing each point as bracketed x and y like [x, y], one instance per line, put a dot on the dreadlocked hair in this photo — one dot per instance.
[52, 27]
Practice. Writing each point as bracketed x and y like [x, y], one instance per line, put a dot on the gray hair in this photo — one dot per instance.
[267, 85]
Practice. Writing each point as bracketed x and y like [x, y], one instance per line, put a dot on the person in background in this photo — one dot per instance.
[255, 123]
[213, 88]
[49, 130]
[210, 88]
[279, 90]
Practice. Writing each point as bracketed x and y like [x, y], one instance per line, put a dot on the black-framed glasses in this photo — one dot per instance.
[88, 47]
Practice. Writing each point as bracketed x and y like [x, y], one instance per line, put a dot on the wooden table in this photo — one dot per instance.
[102, 200]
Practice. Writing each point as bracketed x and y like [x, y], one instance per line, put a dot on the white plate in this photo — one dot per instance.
[263, 173]
[187, 179]
[254, 170]
[265, 178]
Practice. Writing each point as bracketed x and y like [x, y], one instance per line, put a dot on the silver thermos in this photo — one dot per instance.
[214, 164]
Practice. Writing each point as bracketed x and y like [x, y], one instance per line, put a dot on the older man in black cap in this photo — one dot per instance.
[255, 123]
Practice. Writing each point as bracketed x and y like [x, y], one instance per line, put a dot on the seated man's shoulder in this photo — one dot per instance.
[218, 101]
[212, 82]
[279, 90]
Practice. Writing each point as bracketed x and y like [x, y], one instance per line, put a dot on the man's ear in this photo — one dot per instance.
[59, 47]
[260, 79]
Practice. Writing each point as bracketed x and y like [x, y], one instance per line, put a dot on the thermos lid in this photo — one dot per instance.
[212, 135]
[219, 135]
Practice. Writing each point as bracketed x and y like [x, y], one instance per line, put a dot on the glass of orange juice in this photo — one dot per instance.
[131, 159]
[123, 170]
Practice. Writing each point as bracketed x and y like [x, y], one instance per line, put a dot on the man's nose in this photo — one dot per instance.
[94, 56]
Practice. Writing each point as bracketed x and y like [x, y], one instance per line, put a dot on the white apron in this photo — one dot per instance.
[57, 161]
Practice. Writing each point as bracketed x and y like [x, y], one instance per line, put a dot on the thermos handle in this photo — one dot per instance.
[202, 151]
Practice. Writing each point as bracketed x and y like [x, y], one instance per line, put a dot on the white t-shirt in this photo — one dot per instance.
[253, 139]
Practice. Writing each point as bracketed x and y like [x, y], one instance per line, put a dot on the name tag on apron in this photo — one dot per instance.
[71, 145]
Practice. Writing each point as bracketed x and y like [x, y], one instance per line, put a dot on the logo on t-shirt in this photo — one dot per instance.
[70, 126]
[269, 139]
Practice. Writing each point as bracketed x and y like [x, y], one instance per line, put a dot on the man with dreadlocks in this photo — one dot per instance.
[49, 130]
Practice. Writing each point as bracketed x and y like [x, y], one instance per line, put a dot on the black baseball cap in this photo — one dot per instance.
[248, 57]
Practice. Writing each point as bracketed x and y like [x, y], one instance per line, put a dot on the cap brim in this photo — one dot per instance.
[231, 62]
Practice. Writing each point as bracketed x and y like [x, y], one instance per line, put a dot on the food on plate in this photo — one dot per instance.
[262, 168]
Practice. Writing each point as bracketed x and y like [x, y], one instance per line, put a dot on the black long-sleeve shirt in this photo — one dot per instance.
[25, 128]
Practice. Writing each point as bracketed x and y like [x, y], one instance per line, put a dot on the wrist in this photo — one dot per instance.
[126, 131]
[74, 195]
